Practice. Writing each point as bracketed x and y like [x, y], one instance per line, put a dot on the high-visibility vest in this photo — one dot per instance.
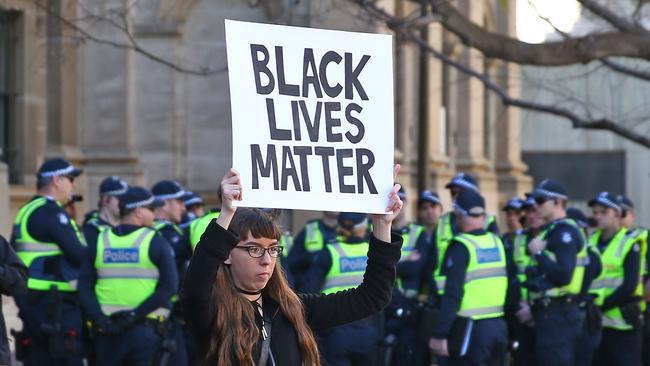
[161, 224]
[521, 259]
[126, 276]
[486, 280]
[574, 286]
[314, 241]
[409, 238]
[611, 277]
[444, 234]
[198, 226]
[93, 221]
[348, 266]
[286, 241]
[31, 251]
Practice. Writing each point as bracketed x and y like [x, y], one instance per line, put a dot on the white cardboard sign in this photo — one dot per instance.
[312, 117]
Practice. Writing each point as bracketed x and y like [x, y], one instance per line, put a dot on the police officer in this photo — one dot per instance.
[521, 325]
[475, 287]
[108, 212]
[429, 211]
[447, 228]
[340, 266]
[590, 335]
[554, 277]
[401, 314]
[513, 210]
[619, 286]
[167, 218]
[629, 221]
[126, 285]
[194, 208]
[169, 215]
[197, 227]
[52, 247]
[309, 242]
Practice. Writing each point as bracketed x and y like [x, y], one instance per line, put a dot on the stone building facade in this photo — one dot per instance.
[115, 110]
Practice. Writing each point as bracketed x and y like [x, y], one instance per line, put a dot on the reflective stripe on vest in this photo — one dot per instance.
[30, 250]
[444, 235]
[612, 275]
[348, 266]
[314, 241]
[126, 277]
[410, 240]
[486, 281]
[198, 226]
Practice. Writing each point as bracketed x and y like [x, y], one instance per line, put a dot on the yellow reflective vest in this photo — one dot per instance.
[613, 273]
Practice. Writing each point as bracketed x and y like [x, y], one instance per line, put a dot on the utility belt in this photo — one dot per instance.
[69, 298]
[154, 323]
[546, 302]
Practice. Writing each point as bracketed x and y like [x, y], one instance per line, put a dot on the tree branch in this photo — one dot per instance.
[613, 65]
[566, 52]
[612, 18]
[576, 120]
[132, 45]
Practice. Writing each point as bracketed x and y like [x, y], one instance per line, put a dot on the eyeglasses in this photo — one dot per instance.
[258, 252]
[70, 178]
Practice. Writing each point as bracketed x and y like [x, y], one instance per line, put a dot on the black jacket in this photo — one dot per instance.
[13, 281]
[322, 311]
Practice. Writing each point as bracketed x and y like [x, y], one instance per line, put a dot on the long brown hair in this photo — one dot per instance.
[234, 330]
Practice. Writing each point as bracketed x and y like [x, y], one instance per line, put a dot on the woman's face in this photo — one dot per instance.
[249, 273]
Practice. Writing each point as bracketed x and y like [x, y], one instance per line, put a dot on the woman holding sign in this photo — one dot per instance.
[238, 303]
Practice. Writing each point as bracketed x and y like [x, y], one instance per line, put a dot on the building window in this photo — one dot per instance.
[8, 52]
[584, 174]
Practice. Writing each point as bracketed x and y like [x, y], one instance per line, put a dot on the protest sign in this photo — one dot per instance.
[312, 116]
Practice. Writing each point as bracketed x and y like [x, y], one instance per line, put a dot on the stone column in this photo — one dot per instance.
[106, 107]
[468, 107]
[437, 173]
[509, 166]
[407, 113]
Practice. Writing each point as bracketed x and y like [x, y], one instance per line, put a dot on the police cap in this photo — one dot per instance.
[168, 190]
[470, 203]
[112, 186]
[58, 167]
[464, 181]
[135, 197]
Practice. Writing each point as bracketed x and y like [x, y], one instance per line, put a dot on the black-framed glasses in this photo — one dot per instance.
[258, 252]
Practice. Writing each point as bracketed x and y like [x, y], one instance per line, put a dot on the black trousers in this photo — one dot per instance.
[487, 345]
[619, 348]
[557, 328]
[524, 355]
